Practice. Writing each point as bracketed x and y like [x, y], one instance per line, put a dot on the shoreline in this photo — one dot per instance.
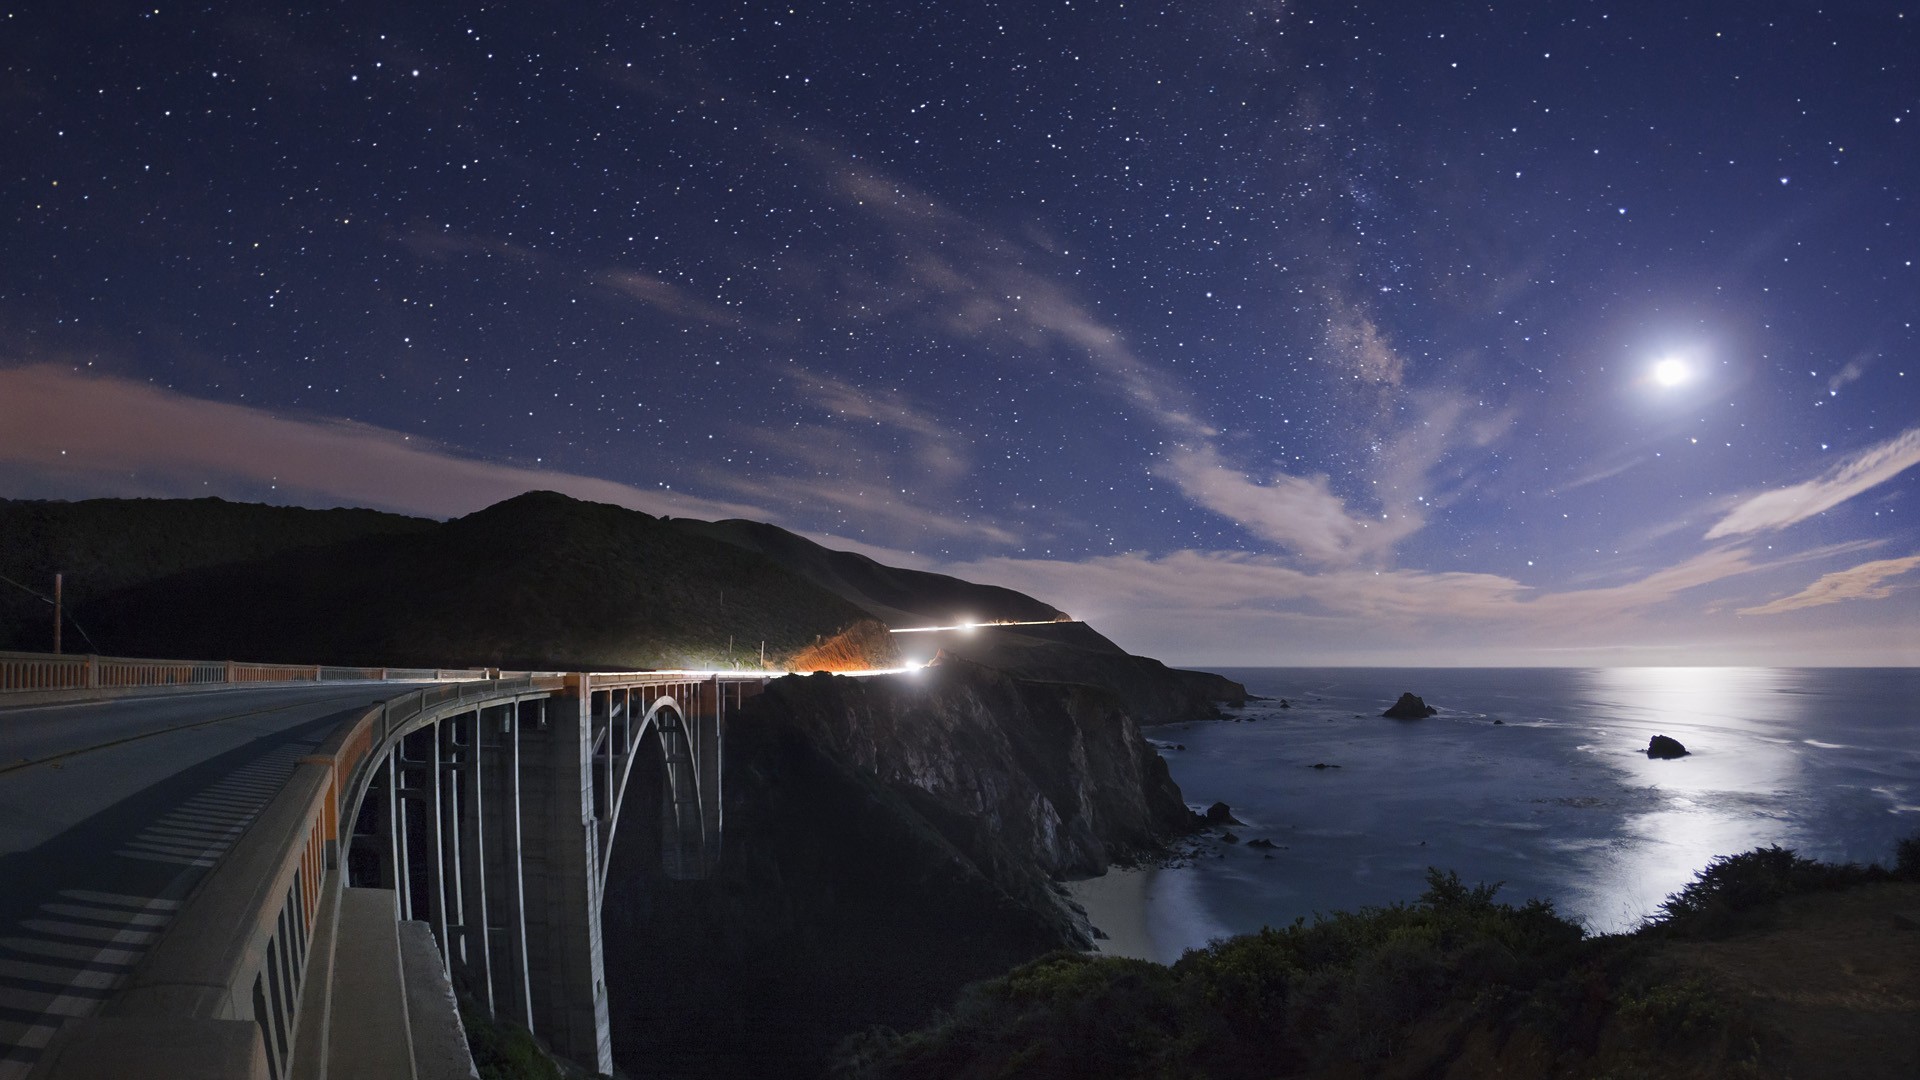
[1117, 904]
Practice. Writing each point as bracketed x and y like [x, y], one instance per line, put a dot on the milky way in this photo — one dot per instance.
[1268, 333]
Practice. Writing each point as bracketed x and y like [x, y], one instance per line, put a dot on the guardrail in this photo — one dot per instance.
[238, 950]
[236, 956]
[20, 671]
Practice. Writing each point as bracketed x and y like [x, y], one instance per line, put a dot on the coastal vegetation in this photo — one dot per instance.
[1453, 984]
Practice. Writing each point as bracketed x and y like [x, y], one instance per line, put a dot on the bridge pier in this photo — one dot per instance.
[566, 964]
[503, 885]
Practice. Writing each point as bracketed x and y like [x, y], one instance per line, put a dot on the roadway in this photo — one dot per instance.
[110, 813]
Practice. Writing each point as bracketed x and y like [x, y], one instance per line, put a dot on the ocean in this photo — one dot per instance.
[1557, 800]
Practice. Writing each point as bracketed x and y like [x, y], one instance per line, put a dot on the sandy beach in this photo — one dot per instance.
[1117, 903]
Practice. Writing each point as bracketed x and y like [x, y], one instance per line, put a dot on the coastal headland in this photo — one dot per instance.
[898, 850]
[888, 841]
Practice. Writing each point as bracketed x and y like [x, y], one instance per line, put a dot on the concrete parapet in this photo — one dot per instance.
[433, 1013]
[371, 1033]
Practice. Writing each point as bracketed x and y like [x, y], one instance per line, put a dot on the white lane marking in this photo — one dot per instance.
[22, 971]
[100, 914]
[138, 903]
[67, 979]
[84, 932]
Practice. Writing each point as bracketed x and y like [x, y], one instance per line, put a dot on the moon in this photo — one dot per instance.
[1671, 372]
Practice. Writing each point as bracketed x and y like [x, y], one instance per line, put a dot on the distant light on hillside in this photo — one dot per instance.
[970, 626]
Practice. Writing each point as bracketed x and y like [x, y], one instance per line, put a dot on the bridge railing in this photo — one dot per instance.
[21, 671]
[238, 950]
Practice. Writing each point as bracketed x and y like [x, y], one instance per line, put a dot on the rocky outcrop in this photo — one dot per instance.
[1410, 707]
[887, 841]
[1662, 746]
[1221, 814]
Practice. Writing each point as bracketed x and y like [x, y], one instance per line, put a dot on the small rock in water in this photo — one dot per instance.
[1222, 814]
[1661, 746]
[1410, 707]
[1322, 765]
[1229, 838]
[1499, 721]
[1285, 704]
[1263, 842]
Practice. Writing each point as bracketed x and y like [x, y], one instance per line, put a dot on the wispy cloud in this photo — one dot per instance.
[113, 436]
[1201, 581]
[666, 297]
[1299, 513]
[974, 282]
[867, 506]
[1778, 509]
[1850, 372]
[445, 244]
[656, 292]
[1864, 582]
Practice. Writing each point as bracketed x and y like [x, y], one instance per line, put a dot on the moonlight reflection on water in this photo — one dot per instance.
[1558, 800]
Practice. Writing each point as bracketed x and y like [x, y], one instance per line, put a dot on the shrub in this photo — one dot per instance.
[863, 646]
[1735, 884]
[504, 1051]
[1906, 859]
[1679, 1016]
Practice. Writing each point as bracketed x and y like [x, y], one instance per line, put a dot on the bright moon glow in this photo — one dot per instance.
[1671, 372]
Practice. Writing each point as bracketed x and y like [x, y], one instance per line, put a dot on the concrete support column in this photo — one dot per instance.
[505, 883]
[437, 845]
[565, 960]
[706, 738]
[476, 961]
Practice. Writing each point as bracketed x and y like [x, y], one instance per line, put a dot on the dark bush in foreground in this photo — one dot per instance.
[1733, 885]
[1406, 989]
[1343, 988]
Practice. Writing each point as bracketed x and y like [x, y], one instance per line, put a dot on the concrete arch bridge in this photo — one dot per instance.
[465, 826]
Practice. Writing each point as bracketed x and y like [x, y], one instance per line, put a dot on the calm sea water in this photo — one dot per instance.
[1559, 800]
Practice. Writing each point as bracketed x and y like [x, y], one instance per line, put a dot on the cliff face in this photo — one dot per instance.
[887, 841]
[1058, 774]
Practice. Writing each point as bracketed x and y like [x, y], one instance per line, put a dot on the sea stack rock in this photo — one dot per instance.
[1410, 707]
[1663, 747]
[1222, 814]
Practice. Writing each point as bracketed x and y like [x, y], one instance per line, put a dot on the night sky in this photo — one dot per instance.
[1527, 333]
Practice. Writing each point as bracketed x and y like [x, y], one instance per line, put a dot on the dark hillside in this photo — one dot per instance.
[895, 596]
[103, 545]
[1064, 652]
[1073, 652]
[538, 581]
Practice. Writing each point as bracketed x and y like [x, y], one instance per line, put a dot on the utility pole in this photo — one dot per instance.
[56, 614]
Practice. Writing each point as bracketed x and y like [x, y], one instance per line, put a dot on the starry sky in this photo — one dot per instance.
[1255, 333]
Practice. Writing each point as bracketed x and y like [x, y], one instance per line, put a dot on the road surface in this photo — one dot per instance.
[110, 813]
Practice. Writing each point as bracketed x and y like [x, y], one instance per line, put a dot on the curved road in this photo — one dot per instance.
[110, 813]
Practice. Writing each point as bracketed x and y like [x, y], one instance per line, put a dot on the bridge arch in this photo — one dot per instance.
[493, 818]
[667, 733]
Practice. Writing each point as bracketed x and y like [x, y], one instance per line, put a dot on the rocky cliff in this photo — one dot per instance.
[887, 841]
